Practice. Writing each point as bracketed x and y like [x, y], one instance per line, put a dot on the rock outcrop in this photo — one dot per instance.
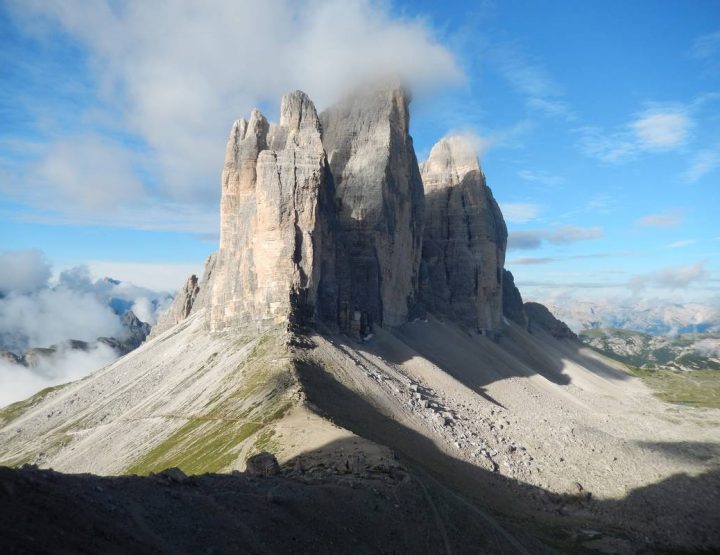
[272, 237]
[512, 302]
[322, 220]
[464, 239]
[194, 295]
[379, 207]
[540, 318]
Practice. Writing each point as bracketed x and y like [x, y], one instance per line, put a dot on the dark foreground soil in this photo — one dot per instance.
[42, 511]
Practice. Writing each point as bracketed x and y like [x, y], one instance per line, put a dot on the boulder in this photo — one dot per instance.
[262, 465]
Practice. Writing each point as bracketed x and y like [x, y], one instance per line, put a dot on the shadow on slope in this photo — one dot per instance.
[679, 513]
[689, 451]
[479, 361]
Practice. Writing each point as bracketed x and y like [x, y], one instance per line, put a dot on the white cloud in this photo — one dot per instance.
[706, 47]
[531, 240]
[659, 129]
[703, 163]
[179, 73]
[88, 171]
[572, 234]
[23, 271]
[159, 276]
[530, 79]
[540, 176]
[519, 212]
[662, 219]
[18, 382]
[709, 346]
[681, 243]
[675, 277]
[40, 312]
[52, 315]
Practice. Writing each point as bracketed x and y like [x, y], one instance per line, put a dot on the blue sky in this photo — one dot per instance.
[598, 125]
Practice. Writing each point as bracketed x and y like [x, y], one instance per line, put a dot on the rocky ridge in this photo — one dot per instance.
[464, 239]
[135, 333]
[323, 220]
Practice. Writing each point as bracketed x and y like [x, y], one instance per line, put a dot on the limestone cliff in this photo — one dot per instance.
[541, 319]
[379, 204]
[271, 235]
[512, 302]
[464, 239]
[195, 294]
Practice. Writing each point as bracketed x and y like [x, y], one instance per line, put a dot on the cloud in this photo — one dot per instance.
[675, 277]
[662, 219]
[681, 243]
[706, 48]
[531, 240]
[531, 261]
[160, 276]
[540, 176]
[661, 131]
[709, 346]
[531, 80]
[23, 271]
[519, 212]
[658, 129]
[51, 315]
[40, 312]
[524, 240]
[703, 163]
[88, 171]
[18, 382]
[172, 77]
[571, 234]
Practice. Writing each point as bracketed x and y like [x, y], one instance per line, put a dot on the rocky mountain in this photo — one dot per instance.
[654, 318]
[686, 352]
[407, 380]
[464, 239]
[134, 334]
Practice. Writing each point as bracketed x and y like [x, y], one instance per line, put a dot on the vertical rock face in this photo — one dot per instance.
[541, 319]
[379, 207]
[274, 185]
[464, 239]
[194, 295]
[512, 302]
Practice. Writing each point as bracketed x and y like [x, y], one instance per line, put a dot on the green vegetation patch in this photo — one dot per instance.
[697, 388]
[199, 446]
[251, 398]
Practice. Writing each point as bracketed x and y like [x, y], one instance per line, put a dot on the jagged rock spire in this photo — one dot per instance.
[379, 200]
[273, 186]
[464, 238]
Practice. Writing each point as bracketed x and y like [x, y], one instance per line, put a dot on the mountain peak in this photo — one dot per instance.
[451, 159]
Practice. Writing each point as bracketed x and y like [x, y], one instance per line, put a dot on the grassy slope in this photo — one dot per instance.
[245, 411]
[699, 387]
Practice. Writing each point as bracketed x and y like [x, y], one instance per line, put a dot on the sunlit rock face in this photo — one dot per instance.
[275, 186]
[464, 239]
[379, 207]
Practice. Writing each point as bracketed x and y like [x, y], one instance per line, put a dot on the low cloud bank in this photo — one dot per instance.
[37, 310]
[19, 382]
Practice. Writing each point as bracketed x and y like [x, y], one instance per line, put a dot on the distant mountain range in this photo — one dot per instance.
[652, 319]
[692, 351]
